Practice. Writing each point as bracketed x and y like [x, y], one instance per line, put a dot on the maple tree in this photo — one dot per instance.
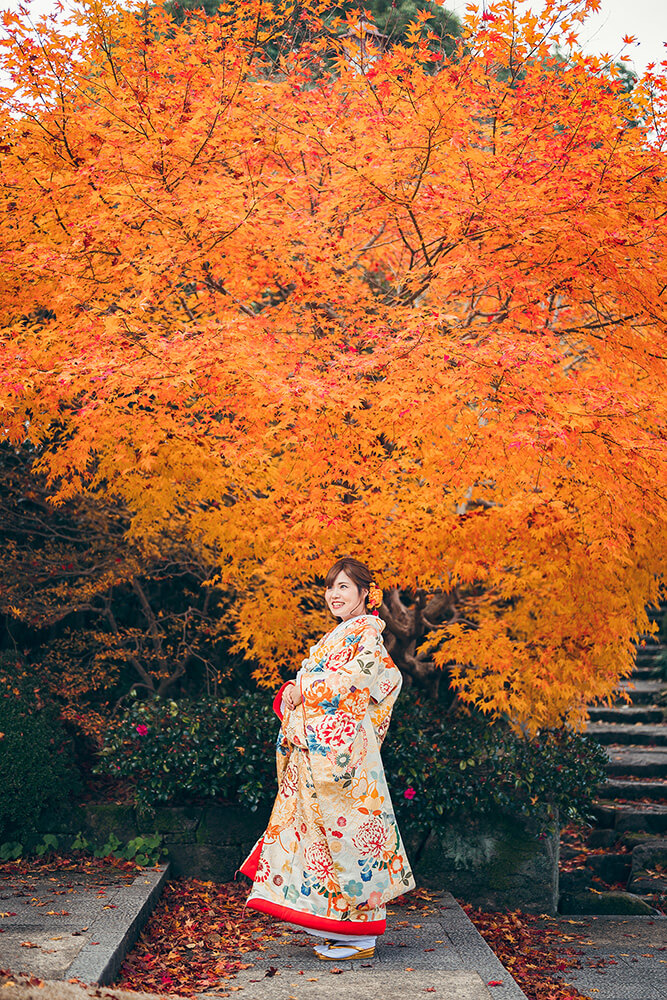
[290, 311]
[98, 616]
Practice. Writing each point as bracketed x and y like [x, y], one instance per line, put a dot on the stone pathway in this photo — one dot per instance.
[628, 874]
[622, 959]
[74, 924]
[435, 949]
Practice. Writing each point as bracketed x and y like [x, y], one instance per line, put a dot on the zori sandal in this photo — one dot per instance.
[336, 951]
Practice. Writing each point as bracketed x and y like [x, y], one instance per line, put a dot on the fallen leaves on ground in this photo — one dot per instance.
[8, 978]
[196, 937]
[57, 864]
[532, 950]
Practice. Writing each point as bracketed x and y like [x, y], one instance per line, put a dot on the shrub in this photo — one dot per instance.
[440, 767]
[191, 749]
[37, 772]
[437, 767]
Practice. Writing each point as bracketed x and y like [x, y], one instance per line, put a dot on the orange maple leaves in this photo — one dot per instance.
[299, 310]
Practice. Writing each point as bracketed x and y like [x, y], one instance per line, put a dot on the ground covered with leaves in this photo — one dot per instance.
[197, 936]
[533, 949]
[200, 934]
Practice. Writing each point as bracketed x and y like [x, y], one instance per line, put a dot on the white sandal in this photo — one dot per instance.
[339, 951]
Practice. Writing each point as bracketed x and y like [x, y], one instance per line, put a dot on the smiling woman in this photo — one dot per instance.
[332, 855]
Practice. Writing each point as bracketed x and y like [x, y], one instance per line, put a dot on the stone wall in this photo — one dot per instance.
[500, 864]
[507, 863]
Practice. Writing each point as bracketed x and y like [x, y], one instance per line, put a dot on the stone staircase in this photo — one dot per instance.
[620, 866]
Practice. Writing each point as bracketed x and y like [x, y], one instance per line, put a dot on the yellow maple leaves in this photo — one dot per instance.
[414, 316]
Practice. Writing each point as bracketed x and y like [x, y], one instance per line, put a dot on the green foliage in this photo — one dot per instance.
[193, 749]
[37, 772]
[467, 766]
[176, 752]
[390, 17]
[11, 850]
[48, 845]
[146, 850]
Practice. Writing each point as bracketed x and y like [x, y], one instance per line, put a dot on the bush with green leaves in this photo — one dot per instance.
[189, 750]
[38, 777]
[438, 767]
[442, 767]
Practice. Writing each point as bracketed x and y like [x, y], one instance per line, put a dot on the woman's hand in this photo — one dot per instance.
[291, 697]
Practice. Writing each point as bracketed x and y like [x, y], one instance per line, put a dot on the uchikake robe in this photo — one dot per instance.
[332, 855]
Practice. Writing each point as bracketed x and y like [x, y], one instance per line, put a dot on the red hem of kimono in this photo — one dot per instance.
[366, 927]
[249, 866]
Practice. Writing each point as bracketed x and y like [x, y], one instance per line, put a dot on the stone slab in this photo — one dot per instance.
[74, 924]
[369, 984]
[205, 861]
[116, 932]
[615, 903]
[20, 988]
[504, 864]
[438, 950]
[649, 762]
[642, 692]
[636, 947]
[637, 734]
[650, 854]
[626, 713]
[640, 788]
[648, 816]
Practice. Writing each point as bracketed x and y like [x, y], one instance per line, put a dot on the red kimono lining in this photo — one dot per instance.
[362, 927]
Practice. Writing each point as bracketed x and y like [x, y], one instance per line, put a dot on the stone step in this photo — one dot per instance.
[649, 868]
[638, 734]
[647, 672]
[651, 651]
[626, 714]
[611, 867]
[604, 904]
[615, 788]
[637, 761]
[643, 692]
[651, 817]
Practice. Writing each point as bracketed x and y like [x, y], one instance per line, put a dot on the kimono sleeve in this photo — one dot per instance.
[336, 701]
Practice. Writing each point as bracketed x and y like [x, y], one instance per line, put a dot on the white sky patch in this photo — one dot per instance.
[602, 33]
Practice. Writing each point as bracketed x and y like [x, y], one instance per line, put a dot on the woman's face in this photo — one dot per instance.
[344, 599]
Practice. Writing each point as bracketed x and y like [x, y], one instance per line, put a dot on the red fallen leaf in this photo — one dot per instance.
[271, 971]
[336, 971]
[495, 982]
[429, 989]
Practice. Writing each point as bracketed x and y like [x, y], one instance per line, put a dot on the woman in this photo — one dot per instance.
[332, 855]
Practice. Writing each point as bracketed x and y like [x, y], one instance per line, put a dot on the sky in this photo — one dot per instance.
[602, 33]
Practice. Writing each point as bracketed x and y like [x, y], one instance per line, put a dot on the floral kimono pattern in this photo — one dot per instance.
[332, 855]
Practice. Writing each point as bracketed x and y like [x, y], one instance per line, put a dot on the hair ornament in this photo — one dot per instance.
[374, 598]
